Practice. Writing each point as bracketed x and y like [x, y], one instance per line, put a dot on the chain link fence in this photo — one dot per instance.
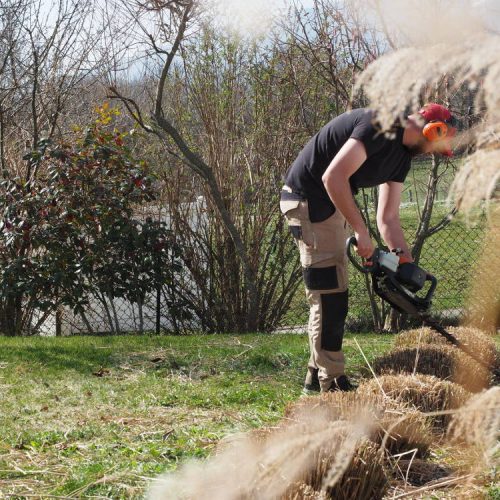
[451, 255]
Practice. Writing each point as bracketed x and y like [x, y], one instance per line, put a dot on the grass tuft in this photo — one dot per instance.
[425, 392]
[474, 341]
[443, 361]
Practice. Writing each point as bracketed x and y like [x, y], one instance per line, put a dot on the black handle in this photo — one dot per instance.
[434, 283]
[351, 241]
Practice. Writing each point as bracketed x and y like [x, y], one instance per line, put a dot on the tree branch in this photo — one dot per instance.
[168, 62]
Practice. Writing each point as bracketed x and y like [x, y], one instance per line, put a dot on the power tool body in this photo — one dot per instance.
[399, 284]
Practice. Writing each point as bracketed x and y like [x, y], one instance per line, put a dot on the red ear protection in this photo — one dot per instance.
[435, 131]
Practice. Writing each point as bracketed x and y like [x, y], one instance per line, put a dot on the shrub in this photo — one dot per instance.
[69, 231]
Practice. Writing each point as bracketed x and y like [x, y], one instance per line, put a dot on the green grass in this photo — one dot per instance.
[158, 402]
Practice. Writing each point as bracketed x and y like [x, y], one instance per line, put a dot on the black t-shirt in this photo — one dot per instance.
[387, 159]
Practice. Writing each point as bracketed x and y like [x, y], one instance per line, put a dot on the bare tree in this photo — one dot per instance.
[52, 59]
[336, 44]
[173, 20]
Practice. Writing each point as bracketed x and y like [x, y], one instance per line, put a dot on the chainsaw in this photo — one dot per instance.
[402, 286]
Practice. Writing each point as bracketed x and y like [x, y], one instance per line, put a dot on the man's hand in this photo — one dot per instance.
[364, 246]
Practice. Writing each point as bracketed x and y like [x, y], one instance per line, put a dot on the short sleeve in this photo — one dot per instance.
[365, 131]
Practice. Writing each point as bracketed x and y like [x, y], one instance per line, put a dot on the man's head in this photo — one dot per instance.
[430, 130]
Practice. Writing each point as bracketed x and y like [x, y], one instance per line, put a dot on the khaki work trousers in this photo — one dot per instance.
[324, 263]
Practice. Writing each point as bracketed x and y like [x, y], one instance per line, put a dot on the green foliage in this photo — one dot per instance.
[494, 493]
[70, 231]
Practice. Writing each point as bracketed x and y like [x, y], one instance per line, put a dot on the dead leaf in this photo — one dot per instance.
[101, 372]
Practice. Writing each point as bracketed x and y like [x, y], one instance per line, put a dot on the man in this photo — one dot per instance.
[317, 200]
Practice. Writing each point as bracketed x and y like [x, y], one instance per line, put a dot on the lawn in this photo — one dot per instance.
[98, 417]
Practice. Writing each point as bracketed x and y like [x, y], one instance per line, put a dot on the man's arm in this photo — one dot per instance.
[336, 180]
[388, 222]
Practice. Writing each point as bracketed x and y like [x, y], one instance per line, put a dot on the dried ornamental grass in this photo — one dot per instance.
[425, 392]
[365, 478]
[477, 179]
[445, 362]
[258, 436]
[474, 341]
[478, 422]
[406, 431]
[434, 58]
[484, 296]
[393, 423]
[265, 468]
[397, 79]
[418, 472]
[302, 491]
[336, 406]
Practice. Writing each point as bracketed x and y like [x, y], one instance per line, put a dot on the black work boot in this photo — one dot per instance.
[311, 384]
[341, 383]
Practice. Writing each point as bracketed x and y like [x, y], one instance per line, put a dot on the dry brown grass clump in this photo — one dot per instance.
[365, 478]
[302, 491]
[473, 341]
[478, 422]
[399, 427]
[444, 362]
[405, 431]
[335, 406]
[425, 392]
[313, 451]
[484, 295]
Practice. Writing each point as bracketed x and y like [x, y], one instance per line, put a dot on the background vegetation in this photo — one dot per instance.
[142, 150]
[218, 118]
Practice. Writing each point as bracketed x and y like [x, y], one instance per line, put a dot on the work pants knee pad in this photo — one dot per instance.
[328, 306]
[328, 312]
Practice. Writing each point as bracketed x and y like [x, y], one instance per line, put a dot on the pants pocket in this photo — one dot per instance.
[287, 206]
[296, 213]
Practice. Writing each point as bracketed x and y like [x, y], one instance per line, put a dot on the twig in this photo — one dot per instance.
[417, 356]
[440, 484]
[371, 369]
[413, 455]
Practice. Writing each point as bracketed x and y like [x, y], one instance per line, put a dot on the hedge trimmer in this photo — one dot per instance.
[399, 284]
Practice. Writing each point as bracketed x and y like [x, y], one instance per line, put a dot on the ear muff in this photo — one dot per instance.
[435, 131]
